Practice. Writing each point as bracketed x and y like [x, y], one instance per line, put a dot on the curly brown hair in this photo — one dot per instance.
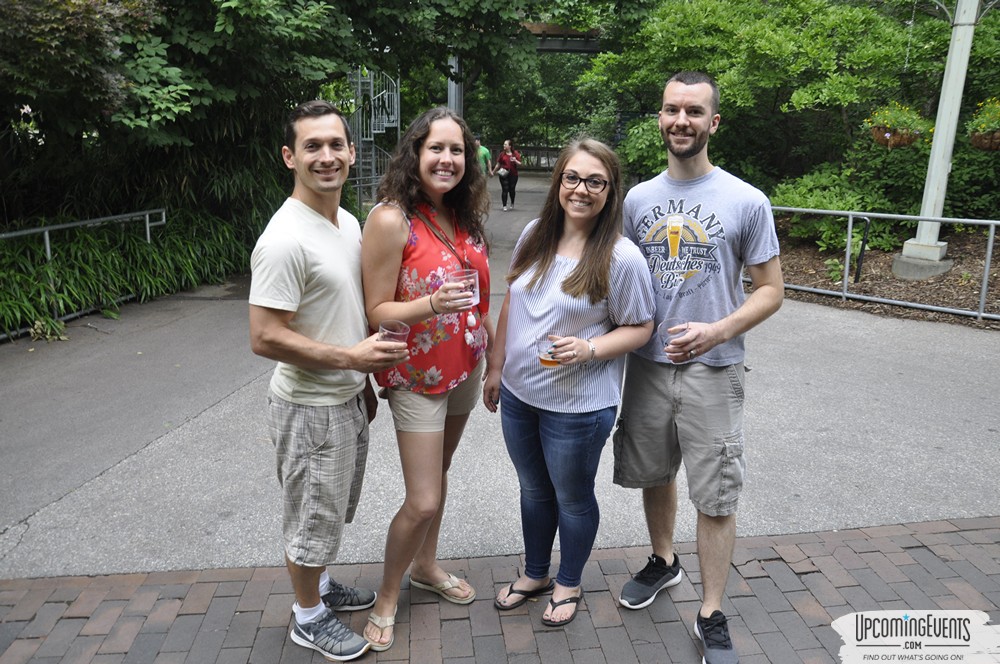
[469, 200]
[592, 275]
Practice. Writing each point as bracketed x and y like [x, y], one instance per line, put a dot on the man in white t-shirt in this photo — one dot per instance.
[698, 227]
[307, 313]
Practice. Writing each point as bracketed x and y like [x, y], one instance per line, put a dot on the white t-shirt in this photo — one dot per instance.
[303, 263]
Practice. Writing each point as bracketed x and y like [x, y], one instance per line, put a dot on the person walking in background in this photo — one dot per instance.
[485, 159]
[579, 294]
[698, 227]
[307, 313]
[506, 167]
[428, 224]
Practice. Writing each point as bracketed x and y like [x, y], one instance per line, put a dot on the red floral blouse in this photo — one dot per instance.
[442, 355]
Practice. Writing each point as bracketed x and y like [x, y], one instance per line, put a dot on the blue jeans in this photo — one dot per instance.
[556, 456]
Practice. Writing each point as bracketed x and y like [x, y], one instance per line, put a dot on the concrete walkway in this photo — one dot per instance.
[139, 519]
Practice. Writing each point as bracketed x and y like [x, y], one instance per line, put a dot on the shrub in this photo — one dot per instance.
[99, 267]
[831, 187]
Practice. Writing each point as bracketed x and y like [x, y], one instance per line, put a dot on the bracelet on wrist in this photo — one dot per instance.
[430, 299]
[593, 350]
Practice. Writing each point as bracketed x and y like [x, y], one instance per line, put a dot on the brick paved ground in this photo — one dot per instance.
[782, 596]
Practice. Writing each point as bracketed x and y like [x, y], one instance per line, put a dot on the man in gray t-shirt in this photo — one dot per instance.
[698, 228]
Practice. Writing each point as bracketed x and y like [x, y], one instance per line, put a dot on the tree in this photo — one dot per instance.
[184, 104]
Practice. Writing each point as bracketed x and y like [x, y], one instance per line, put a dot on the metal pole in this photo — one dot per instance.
[926, 245]
[456, 91]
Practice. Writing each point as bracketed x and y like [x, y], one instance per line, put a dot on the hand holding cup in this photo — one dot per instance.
[670, 330]
[469, 282]
[396, 331]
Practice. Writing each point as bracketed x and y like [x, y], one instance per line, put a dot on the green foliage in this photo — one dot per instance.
[972, 183]
[98, 267]
[986, 117]
[124, 104]
[834, 269]
[642, 149]
[63, 59]
[873, 179]
[796, 78]
[533, 101]
[834, 188]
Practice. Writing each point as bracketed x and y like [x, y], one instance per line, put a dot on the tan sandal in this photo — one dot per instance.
[383, 623]
[441, 589]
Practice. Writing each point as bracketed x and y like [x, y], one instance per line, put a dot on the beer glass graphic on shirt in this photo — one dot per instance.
[675, 223]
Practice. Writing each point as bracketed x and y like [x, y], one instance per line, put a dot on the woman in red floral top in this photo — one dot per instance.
[429, 222]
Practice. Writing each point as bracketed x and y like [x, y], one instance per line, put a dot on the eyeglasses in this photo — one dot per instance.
[572, 181]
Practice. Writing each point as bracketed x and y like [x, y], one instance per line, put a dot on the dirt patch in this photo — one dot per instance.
[804, 265]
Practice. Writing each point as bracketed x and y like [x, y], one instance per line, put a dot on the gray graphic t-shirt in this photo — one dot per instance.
[697, 236]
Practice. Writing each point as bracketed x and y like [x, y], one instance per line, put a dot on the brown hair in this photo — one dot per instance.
[469, 200]
[592, 275]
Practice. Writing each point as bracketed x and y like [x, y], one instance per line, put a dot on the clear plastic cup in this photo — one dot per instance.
[393, 330]
[469, 279]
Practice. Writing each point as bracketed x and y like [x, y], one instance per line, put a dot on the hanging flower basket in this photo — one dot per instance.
[985, 140]
[896, 125]
[894, 138]
[984, 127]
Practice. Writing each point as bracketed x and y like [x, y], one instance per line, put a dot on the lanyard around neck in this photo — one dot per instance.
[439, 233]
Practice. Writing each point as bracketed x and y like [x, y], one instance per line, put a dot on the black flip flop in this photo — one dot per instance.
[525, 595]
[554, 605]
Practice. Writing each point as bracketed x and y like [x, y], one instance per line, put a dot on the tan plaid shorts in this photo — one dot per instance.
[321, 455]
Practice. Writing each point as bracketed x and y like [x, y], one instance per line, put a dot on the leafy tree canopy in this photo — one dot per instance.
[199, 83]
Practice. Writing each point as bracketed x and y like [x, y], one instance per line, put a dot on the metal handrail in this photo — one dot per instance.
[851, 215]
[150, 219]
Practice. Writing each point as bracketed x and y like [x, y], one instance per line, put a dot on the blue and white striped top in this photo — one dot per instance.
[576, 388]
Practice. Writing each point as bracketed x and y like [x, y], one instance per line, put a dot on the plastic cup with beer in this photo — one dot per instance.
[469, 280]
[544, 348]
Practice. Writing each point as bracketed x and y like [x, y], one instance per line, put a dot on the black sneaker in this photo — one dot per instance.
[330, 637]
[654, 577]
[713, 637]
[343, 598]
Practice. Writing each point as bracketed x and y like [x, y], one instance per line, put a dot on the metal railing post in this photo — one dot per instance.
[844, 292]
[986, 272]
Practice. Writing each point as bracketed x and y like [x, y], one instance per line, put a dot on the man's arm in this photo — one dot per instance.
[768, 293]
[766, 298]
[272, 336]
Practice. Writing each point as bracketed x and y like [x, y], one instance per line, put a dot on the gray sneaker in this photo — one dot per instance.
[713, 637]
[330, 637]
[654, 577]
[344, 598]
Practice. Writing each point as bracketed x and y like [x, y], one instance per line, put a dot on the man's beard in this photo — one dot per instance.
[700, 140]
